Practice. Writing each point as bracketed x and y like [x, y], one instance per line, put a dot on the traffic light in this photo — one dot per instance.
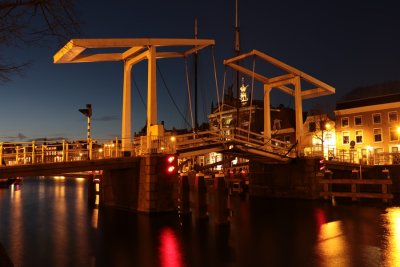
[171, 164]
[321, 165]
[87, 111]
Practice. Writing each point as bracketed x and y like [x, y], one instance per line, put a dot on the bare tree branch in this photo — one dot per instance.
[33, 22]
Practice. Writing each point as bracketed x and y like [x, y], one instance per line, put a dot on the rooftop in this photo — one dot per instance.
[371, 95]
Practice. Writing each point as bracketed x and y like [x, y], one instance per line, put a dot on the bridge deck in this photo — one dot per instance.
[59, 168]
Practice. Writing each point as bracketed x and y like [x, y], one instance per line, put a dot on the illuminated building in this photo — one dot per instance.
[367, 123]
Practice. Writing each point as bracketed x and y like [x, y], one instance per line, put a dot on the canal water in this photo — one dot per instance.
[47, 222]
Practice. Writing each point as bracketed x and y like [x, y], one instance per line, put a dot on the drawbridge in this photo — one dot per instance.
[233, 140]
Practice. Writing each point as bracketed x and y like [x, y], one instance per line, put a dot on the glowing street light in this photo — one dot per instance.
[327, 125]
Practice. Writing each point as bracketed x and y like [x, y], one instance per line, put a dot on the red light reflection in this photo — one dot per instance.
[320, 218]
[170, 251]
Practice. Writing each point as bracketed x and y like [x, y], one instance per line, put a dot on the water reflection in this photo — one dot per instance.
[48, 223]
[170, 250]
[332, 245]
[392, 223]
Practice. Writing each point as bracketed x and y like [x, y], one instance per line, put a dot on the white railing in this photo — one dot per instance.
[355, 157]
[19, 153]
[234, 135]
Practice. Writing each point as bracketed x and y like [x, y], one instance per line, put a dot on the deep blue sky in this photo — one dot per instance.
[345, 44]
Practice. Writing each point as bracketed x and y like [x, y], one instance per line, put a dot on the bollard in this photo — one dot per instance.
[221, 199]
[183, 198]
[200, 199]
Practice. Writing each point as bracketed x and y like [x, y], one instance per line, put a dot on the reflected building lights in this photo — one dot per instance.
[332, 245]
[392, 255]
[95, 218]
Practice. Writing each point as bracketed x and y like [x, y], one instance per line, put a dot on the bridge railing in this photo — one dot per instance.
[233, 135]
[17, 153]
[159, 144]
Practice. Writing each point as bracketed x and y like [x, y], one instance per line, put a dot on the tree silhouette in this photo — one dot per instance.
[32, 22]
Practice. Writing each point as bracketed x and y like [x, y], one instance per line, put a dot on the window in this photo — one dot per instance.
[286, 138]
[345, 122]
[377, 135]
[392, 116]
[312, 126]
[359, 137]
[395, 149]
[358, 120]
[346, 138]
[393, 134]
[376, 118]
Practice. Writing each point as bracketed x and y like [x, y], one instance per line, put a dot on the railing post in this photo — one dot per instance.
[24, 154]
[16, 154]
[33, 152]
[43, 153]
[66, 151]
[1, 154]
[116, 147]
[63, 151]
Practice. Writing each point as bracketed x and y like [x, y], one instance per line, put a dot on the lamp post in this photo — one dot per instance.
[88, 113]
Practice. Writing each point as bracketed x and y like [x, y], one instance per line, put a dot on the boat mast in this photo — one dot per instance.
[196, 122]
[237, 53]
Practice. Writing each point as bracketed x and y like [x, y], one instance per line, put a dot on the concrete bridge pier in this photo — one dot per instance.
[143, 187]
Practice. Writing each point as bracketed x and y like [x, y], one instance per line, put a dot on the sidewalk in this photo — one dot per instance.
[5, 260]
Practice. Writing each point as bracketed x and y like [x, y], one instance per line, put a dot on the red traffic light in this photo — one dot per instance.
[171, 165]
[321, 164]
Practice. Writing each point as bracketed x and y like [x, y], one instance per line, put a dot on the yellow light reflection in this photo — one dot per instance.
[332, 245]
[80, 179]
[392, 253]
[97, 201]
[95, 218]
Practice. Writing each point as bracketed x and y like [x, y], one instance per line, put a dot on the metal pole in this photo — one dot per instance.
[89, 140]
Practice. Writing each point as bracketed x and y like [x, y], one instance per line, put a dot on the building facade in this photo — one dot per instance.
[368, 125]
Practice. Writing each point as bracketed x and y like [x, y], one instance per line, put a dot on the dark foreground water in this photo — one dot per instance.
[48, 223]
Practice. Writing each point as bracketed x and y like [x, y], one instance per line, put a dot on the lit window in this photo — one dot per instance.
[346, 138]
[376, 118]
[311, 126]
[377, 135]
[358, 120]
[392, 116]
[359, 137]
[345, 122]
[394, 134]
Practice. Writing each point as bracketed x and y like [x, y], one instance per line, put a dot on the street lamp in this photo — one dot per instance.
[88, 113]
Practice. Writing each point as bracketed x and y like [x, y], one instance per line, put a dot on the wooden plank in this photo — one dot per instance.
[357, 195]
[355, 181]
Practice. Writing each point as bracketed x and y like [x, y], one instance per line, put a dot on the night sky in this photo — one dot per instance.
[345, 44]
